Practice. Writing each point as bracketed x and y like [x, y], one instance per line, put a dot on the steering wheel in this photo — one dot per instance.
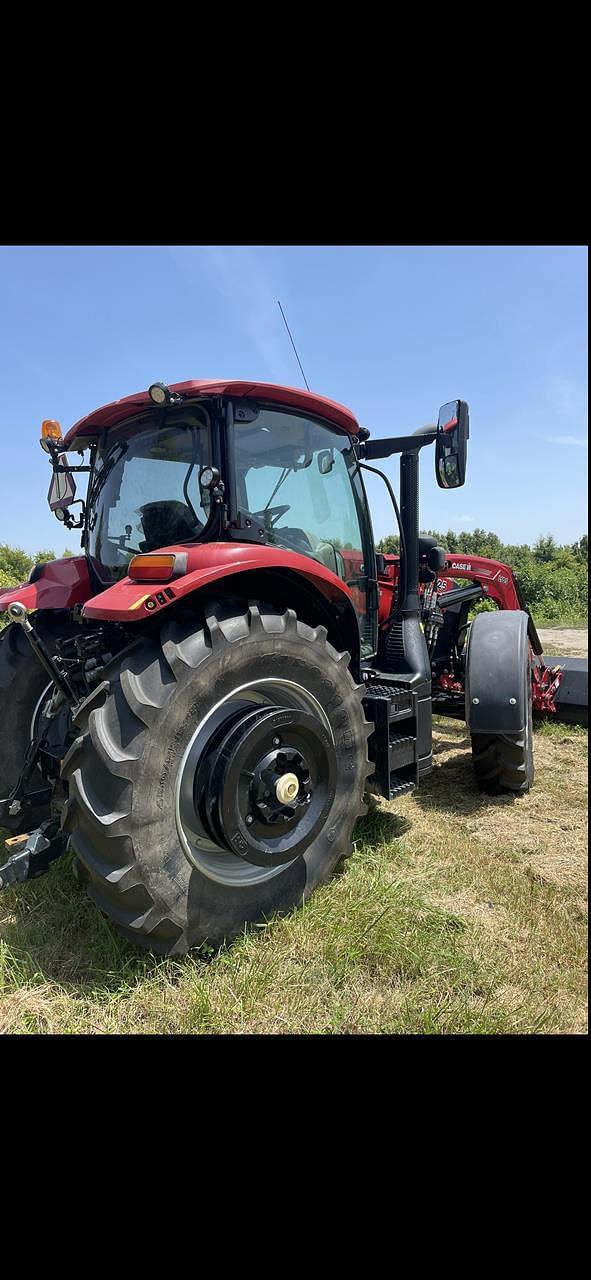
[273, 513]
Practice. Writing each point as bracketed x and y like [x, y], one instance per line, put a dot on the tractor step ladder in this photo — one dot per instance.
[393, 744]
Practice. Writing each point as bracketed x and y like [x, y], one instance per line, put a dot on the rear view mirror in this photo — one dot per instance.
[62, 489]
[453, 429]
[325, 461]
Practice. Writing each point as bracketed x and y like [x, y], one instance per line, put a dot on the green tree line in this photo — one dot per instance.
[16, 565]
[552, 577]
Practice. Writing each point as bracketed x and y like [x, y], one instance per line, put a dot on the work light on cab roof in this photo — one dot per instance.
[160, 394]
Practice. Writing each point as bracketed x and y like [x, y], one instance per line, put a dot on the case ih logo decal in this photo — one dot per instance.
[461, 564]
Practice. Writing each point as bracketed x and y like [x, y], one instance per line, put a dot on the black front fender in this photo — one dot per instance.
[497, 673]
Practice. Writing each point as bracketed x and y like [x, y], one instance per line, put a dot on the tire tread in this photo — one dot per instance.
[100, 771]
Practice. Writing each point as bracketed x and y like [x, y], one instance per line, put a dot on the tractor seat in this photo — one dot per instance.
[292, 540]
[165, 523]
[330, 557]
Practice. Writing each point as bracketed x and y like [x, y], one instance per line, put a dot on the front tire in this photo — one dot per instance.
[23, 682]
[217, 777]
[505, 762]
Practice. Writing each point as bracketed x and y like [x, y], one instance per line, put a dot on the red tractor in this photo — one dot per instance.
[195, 704]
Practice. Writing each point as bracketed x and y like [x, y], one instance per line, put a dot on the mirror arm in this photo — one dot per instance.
[397, 444]
[65, 471]
[68, 521]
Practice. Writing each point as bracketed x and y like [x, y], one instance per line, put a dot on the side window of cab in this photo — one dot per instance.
[299, 478]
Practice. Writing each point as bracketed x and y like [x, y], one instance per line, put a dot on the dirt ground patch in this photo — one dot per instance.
[569, 641]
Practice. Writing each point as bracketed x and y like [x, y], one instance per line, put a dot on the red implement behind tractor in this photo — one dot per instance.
[194, 706]
[559, 684]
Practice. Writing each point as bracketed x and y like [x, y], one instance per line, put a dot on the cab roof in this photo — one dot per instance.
[294, 397]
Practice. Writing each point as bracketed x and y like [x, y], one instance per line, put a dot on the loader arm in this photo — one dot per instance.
[498, 582]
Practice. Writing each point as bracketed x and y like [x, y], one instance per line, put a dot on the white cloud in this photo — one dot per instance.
[582, 444]
[466, 519]
[567, 397]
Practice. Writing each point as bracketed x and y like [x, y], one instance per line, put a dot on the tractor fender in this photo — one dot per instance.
[497, 658]
[130, 600]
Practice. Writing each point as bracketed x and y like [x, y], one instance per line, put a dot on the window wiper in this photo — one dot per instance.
[282, 478]
[110, 461]
[297, 466]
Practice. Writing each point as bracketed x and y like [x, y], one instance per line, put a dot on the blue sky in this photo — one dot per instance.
[392, 332]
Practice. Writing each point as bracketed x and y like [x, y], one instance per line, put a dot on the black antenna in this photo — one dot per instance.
[293, 343]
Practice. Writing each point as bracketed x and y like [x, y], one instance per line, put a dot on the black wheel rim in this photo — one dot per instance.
[256, 782]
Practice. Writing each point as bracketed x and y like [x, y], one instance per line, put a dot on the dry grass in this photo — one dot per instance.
[459, 913]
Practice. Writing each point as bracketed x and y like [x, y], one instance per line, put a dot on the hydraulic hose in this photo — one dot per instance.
[376, 472]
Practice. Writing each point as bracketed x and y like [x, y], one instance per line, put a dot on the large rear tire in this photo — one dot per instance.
[22, 684]
[181, 801]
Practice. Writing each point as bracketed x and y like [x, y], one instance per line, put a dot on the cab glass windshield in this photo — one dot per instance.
[145, 488]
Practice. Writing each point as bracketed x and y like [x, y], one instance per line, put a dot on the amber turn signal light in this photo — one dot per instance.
[152, 568]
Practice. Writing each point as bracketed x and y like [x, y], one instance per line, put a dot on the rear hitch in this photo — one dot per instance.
[33, 854]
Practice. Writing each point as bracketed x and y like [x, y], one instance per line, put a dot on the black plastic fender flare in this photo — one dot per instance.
[497, 658]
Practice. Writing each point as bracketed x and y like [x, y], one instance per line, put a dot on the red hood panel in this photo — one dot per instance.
[61, 585]
[294, 397]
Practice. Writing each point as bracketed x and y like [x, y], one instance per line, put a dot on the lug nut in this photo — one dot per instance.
[276, 742]
[249, 819]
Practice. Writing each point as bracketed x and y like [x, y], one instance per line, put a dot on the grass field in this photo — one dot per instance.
[458, 913]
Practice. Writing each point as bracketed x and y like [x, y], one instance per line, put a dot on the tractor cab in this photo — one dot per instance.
[202, 470]
[204, 463]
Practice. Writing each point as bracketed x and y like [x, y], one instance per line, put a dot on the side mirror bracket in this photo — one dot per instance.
[63, 515]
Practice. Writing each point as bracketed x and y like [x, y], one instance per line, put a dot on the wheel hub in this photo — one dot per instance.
[287, 787]
[281, 784]
[263, 784]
